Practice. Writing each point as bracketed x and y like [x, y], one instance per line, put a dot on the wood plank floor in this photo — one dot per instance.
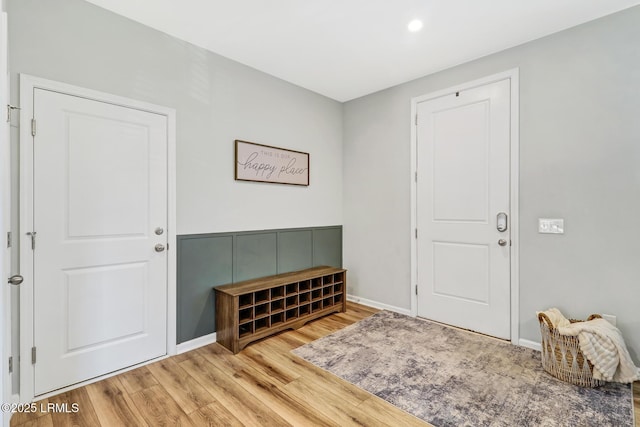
[263, 385]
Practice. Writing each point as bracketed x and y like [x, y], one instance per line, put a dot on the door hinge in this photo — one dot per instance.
[416, 289]
[33, 355]
[10, 108]
[33, 127]
[416, 177]
[8, 239]
[167, 246]
[32, 234]
[10, 364]
[416, 233]
[416, 121]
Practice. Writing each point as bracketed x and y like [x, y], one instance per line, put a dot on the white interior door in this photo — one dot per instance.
[463, 142]
[5, 227]
[99, 196]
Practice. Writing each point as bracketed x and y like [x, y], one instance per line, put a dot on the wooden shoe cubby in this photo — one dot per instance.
[251, 310]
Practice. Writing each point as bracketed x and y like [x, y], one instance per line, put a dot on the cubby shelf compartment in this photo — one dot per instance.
[251, 310]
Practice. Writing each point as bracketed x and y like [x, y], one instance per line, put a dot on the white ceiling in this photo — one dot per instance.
[345, 49]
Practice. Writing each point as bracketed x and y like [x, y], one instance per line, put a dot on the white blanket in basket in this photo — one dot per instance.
[602, 344]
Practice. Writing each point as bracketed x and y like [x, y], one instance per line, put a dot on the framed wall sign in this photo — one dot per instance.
[263, 163]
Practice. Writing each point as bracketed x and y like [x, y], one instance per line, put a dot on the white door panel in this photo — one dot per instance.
[100, 190]
[449, 280]
[463, 142]
[114, 206]
[460, 187]
[95, 294]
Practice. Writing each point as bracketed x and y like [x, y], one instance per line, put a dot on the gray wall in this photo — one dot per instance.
[208, 260]
[579, 148]
[217, 101]
[579, 160]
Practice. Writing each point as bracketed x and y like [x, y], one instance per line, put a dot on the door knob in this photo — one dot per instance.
[16, 279]
[502, 242]
[159, 231]
[159, 247]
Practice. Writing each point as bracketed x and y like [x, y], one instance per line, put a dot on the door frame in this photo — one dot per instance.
[6, 395]
[27, 85]
[513, 76]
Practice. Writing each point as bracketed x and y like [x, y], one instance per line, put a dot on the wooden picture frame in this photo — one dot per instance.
[264, 163]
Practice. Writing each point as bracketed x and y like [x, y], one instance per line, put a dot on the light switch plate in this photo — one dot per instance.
[551, 225]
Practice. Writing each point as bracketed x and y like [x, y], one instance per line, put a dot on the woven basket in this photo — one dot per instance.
[561, 355]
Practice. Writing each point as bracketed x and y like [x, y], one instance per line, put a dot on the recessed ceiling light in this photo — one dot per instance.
[415, 25]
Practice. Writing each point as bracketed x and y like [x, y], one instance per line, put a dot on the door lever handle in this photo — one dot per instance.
[501, 222]
[15, 279]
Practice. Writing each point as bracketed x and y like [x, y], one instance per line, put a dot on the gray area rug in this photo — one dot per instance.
[450, 377]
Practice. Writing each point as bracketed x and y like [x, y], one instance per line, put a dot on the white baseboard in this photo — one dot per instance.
[195, 343]
[530, 344]
[379, 305]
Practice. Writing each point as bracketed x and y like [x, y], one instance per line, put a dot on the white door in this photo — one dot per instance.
[5, 227]
[463, 142]
[100, 193]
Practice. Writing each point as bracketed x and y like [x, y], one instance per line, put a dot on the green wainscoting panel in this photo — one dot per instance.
[255, 255]
[295, 250]
[208, 260]
[203, 261]
[327, 246]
